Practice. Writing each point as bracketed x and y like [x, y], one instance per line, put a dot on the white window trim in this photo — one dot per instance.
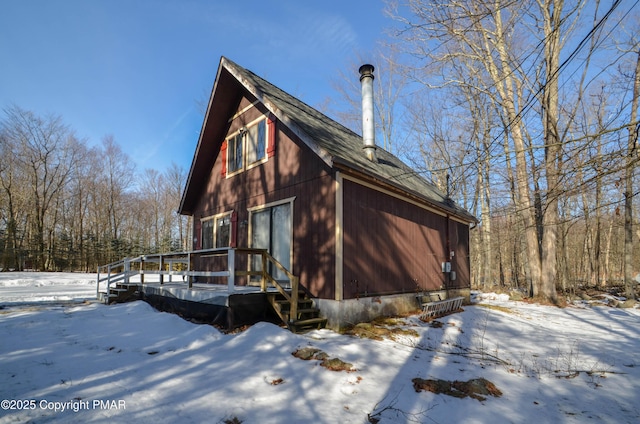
[246, 166]
[214, 218]
[241, 169]
[254, 209]
[271, 204]
[202, 238]
[241, 112]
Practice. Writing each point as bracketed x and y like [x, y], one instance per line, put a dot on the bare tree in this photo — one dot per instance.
[10, 203]
[390, 85]
[65, 206]
[117, 178]
[176, 178]
[631, 160]
[45, 149]
[77, 210]
[510, 54]
[474, 32]
[150, 194]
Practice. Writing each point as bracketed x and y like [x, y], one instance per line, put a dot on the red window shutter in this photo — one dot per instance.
[271, 139]
[233, 242]
[223, 155]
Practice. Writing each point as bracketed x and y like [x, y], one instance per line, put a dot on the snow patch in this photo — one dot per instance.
[559, 365]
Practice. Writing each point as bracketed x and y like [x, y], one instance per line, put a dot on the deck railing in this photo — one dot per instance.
[181, 264]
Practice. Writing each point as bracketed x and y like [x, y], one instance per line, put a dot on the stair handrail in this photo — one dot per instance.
[114, 277]
[232, 272]
[295, 282]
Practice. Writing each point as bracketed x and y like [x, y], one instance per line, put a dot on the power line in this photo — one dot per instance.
[529, 104]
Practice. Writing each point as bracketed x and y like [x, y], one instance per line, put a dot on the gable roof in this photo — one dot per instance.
[335, 144]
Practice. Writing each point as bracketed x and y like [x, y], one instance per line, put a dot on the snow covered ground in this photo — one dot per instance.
[64, 358]
[29, 287]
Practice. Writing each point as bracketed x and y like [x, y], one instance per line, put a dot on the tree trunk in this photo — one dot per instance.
[552, 12]
[628, 192]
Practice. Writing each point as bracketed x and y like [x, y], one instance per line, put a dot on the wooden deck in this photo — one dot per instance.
[211, 303]
[169, 283]
[212, 294]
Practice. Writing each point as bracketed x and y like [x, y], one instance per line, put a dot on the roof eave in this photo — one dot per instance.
[184, 209]
[348, 167]
[281, 116]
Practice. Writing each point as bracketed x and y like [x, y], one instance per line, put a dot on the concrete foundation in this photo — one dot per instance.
[342, 314]
[247, 305]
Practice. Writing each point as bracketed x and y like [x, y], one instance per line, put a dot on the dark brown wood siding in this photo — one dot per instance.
[294, 171]
[460, 263]
[394, 246]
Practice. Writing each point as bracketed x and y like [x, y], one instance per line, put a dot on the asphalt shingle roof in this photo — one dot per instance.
[342, 145]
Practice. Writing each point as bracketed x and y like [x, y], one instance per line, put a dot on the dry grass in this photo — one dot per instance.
[478, 388]
[333, 364]
[381, 328]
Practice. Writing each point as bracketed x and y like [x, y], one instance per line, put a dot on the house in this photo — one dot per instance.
[363, 232]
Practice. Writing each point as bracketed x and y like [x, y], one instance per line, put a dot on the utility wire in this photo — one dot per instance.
[529, 104]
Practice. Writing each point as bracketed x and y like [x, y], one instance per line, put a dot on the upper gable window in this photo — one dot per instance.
[256, 146]
[235, 157]
[248, 147]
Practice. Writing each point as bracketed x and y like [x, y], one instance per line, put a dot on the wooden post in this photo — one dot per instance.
[98, 285]
[141, 269]
[263, 282]
[189, 270]
[293, 311]
[231, 267]
[161, 269]
[108, 282]
[127, 268]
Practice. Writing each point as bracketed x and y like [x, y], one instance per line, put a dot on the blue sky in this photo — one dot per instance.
[138, 69]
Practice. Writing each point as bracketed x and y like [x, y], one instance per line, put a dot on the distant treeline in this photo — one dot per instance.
[66, 206]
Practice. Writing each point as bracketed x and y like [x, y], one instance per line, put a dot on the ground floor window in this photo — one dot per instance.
[223, 231]
[216, 231]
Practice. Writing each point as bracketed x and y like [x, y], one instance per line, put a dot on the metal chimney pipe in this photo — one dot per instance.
[368, 125]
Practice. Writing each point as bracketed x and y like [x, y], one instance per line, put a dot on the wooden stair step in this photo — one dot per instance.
[308, 310]
[106, 300]
[286, 304]
[300, 311]
[307, 315]
[300, 299]
[307, 324]
[309, 321]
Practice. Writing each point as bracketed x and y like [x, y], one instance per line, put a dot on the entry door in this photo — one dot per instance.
[271, 230]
